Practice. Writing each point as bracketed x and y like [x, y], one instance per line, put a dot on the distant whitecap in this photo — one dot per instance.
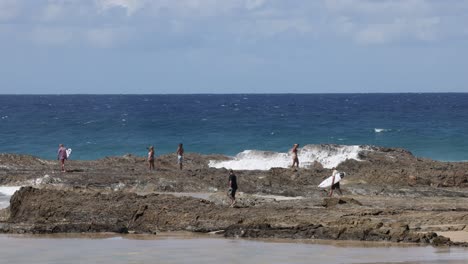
[380, 130]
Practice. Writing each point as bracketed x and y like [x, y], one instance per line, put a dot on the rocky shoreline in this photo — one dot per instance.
[389, 195]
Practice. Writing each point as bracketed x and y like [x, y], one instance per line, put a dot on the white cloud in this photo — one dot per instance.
[238, 21]
[419, 29]
[9, 9]
[253, 4]
[378, 7]
[131, 6]
[378, 22]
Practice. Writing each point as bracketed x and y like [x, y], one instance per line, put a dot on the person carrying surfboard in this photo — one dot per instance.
[335, 185]
[62, 156]
[294, 156]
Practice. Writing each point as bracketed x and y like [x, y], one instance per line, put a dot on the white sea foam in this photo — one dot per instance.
[380, 130]
[328, 155]
[9, 190]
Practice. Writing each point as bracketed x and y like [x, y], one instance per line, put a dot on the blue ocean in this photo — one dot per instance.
[96, 126]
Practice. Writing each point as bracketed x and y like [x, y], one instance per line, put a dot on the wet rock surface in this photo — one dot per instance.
[389, 195]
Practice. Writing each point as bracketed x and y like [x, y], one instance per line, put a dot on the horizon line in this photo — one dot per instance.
[133, 94]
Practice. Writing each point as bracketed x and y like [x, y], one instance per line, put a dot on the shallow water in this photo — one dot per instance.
[189, 248]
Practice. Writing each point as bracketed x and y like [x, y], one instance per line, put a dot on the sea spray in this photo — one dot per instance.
[328, 155]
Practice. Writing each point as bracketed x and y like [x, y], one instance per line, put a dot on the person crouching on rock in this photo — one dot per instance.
[232, 187]
[335, 185]
[62, 156]
[151, 158]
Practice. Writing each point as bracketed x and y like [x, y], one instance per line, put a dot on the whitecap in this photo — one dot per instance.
[328, 155]
[380, 130]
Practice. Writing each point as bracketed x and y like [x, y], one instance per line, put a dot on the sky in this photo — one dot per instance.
[233, 46]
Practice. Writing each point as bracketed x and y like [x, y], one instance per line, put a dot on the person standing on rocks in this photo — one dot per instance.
[62, 156]
[232, 187]
[294, 156]
[180, 155]
[335, 186]
[151, 158]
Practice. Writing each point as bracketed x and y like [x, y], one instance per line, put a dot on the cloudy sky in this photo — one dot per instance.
[233, 46]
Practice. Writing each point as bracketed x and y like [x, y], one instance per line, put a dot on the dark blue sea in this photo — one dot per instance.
[95, 126]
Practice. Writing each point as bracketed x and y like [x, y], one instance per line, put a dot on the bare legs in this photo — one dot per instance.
[295, 162]
[62, 163]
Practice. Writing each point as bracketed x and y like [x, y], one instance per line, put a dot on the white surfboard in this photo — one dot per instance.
[328, 181]
[69, 151]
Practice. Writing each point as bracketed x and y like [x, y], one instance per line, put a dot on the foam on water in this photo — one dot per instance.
[8, 190]
[328, 155]
[5, 194]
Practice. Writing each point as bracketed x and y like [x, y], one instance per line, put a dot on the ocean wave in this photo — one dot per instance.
[328, 155]
[380, 130]
[8, 190]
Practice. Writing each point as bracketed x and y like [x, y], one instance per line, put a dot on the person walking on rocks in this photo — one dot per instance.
[294, 156]
[335, 186]
[62, 156]
[151, 158]
[180, 155]
[232, 187]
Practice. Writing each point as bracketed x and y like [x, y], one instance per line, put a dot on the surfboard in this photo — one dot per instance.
[328, 181]
[69, 151]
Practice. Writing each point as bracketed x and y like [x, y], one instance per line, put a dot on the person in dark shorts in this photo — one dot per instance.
[336, 186]
[232, 187]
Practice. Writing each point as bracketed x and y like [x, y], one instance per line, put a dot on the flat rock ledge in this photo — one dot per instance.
[41, 211]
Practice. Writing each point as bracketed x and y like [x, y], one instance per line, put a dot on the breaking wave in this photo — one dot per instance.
[380, 130]
[327, 155]
[8, 190]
